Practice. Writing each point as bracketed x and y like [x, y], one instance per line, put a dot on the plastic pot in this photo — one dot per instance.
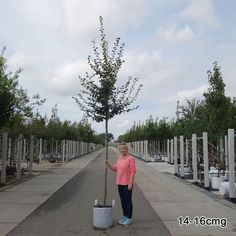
[102, 217]
[224, 188]
[215, 181]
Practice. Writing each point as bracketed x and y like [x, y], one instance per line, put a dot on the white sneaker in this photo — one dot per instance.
[127, 221]
[121, 220]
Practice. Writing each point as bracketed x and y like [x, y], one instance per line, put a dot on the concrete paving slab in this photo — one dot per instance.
[15, 212]
[19, 201]
[162, 167]
[8, 197]
[171, 197]
[6, 227]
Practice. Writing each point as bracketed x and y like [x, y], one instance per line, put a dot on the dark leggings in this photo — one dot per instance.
[126, 200]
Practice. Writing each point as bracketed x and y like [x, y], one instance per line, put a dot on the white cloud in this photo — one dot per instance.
[80, 18]
[65, 82]
[201, 11]
[174, 34]
[148, 66]
[141, 64]
[19, 60]
[152, 69]
[188, 94]
[124, 125]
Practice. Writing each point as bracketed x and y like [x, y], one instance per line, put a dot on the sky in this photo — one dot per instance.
[169, 46]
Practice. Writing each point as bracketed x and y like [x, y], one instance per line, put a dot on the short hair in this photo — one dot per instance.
[123, 144]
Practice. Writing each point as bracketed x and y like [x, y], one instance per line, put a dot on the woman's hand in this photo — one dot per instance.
[130, 186]
[107, 164]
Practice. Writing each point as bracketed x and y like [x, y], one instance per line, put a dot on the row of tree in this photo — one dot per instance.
[214, 114]
[19, 113]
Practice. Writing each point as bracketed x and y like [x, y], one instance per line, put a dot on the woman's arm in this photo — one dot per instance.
[131, 181]
[112, 167]
[133, 171]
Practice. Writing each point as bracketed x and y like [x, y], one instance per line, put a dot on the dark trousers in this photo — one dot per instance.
[126, 200]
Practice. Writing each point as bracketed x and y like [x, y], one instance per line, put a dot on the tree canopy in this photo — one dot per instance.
[101, 98]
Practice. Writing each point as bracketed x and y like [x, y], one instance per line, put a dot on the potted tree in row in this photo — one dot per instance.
[102, 99]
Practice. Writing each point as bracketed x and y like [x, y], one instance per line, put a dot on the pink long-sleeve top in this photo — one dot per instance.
[124, 168]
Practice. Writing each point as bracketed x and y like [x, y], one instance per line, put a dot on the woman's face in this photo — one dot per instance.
[123, 150]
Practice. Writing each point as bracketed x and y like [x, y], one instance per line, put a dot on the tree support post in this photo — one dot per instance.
[63, 150]
[175, 155]
[82, 148]
[40, 150]
[31, 154]
[221, 149]
[9, 148]
[168, 150]
[194, 157]
[141, 149]
[19, 156]
[24, 149]
[75, 150]
[205, 158]
[67, 150]
[4, 158]
[186, 151]
[171, 151]
[146, 150]
[138, 147]
[231, 148]
[182, 156]
[226, 153]
[71, 149]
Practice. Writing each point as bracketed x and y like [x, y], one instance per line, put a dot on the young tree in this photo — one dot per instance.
[191, 118]
[101, 98]
[103, 136]
[8, 83]
[216, 103]
[233, 113]
[15, 104]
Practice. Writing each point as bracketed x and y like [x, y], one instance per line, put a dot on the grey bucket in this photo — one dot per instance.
[102, 217]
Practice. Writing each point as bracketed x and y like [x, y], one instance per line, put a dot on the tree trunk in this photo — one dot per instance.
[106, 158]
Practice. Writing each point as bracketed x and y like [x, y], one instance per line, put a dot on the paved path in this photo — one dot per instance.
[69, 210]
[19, 201]
[172, 197]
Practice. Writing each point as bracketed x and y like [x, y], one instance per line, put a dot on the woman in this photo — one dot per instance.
[125, 171]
